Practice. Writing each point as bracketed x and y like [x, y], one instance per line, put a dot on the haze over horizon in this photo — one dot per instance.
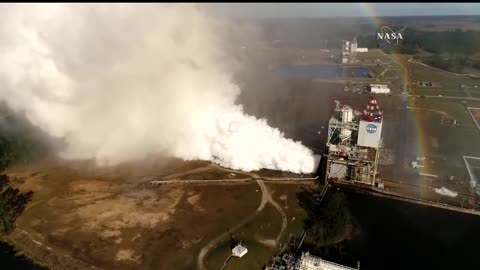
[326, 10]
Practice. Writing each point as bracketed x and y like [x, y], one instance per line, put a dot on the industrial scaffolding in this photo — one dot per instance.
[309, 262]
[347, 160]
[306, 262]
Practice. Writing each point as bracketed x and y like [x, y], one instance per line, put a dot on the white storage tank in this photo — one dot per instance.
[347, 117]
[347, 114]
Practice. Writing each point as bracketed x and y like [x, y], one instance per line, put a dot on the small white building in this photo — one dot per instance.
[239, 251]
[349, 50]
[354, 46]
[379, 88]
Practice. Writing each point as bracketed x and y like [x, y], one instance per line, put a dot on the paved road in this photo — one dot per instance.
[223, 181]
[440, 97]
[201, 169]
[176, 177]
[226, 261]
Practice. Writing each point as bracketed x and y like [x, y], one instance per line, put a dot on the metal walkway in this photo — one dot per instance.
[309, 262]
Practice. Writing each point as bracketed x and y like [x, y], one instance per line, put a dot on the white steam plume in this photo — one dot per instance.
[119, 82]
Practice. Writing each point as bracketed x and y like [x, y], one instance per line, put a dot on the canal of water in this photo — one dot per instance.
[393, 234]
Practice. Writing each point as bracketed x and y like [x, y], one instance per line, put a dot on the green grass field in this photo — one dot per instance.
[452, 108]
[452, 142]
[286, 196]
[266, 225]
[444, 80]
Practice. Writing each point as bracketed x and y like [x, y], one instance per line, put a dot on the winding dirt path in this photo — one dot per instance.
[203, 252]
[266, 198]
[284, 217]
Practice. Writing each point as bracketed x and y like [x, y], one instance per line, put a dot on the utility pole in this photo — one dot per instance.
[286, 199]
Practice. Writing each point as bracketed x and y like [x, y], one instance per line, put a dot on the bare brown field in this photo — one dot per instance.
[112, 224]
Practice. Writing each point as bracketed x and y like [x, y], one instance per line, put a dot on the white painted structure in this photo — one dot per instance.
[349, 50]
[239, 251]
[346, 51]
[446, 192]
[354, 46]
[309, 262]
[416, 165]
[347, 117]
[369, 134]
[379, 88]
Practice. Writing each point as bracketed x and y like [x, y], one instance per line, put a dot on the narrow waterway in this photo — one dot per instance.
[393, 234]
[320, 71]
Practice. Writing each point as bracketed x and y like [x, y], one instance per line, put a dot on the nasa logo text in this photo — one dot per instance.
[390, 36]
[371, 128]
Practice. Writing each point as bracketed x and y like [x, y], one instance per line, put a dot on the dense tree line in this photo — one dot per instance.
[311, 32]
[12, 204]
[314, 33]
[329, 221]
[450, 42]
[442, 42]
[450, 50]
[15, 147]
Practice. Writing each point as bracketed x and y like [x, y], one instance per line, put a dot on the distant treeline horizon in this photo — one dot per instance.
[449, 49]
[329, 32]
[369, 18]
